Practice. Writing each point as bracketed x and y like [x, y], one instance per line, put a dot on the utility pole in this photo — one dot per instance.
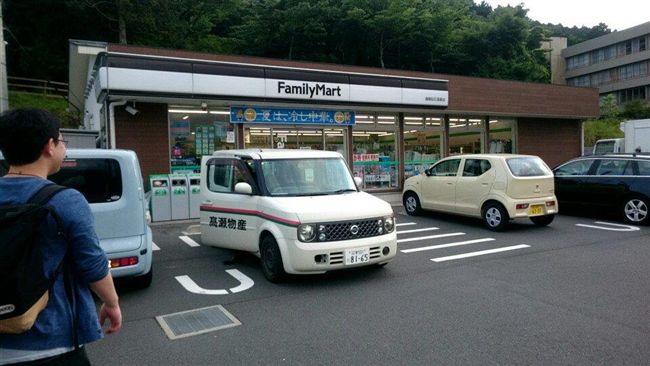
[4, 93]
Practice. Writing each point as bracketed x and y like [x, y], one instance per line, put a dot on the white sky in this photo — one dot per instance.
[617, 14]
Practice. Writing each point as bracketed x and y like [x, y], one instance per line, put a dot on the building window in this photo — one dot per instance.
[465, 135]
[501, 136]
[194, 133]
[374, 150]
[628, 47]
[422, 143]
[642, 44]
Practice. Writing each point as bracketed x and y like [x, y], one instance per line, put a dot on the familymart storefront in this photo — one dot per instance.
[173, 107]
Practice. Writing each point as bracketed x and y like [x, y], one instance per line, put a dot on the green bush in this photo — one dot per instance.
[56, 104]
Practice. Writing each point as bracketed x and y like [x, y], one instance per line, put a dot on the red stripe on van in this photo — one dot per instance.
[249, 212]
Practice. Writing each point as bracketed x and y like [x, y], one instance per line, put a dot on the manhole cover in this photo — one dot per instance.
[198, 321]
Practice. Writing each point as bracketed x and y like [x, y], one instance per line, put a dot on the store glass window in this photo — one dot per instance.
[465, 135]
[501, 136]
[194, 133]
[374, 144]
[422, 143]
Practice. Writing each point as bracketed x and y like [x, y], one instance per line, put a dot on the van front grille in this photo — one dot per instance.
[352, 229]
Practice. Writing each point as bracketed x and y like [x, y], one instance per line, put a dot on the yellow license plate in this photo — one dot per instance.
[536, 210]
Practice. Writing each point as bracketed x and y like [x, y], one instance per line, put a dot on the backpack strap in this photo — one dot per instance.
[43, 195]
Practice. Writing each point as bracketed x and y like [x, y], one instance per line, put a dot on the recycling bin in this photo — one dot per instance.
[195, 195]
[179, 197]
[160, 197]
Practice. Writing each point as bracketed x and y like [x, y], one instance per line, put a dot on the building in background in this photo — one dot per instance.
[173, 106]
[617, 63]
[554, 47]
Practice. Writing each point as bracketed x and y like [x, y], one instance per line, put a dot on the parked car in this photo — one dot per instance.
[494, 187]
[111, 182]
[616, 184]
[300, 211]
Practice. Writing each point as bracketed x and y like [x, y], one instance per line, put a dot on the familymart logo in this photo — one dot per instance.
[316, 90]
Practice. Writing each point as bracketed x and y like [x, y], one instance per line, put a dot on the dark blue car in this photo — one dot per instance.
[614, 184]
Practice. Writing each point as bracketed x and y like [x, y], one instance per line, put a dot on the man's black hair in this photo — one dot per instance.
[24, 132]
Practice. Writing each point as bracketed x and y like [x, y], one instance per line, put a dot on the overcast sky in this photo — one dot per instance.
[617, 14]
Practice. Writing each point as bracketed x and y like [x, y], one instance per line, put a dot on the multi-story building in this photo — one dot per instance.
[617, 63]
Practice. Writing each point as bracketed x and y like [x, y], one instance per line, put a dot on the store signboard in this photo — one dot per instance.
[293, 116]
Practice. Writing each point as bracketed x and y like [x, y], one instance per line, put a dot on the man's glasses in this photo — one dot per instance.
[65, 142]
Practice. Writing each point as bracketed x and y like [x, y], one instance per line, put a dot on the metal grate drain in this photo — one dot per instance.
[198, 321]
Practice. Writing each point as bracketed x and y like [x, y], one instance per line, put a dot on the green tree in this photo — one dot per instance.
[607, 125]
[636, 109]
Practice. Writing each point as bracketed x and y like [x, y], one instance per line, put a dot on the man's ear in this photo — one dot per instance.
[49, 148]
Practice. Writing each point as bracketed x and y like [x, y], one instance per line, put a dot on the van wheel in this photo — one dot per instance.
[542, 220]
[412, 203]
[144, 281]
[271, 260]
[495, 216]
[635, 210]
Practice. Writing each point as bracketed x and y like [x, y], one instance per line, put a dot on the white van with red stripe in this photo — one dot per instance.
[300, 211]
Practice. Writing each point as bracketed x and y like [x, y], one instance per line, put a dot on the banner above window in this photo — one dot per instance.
[293, 116]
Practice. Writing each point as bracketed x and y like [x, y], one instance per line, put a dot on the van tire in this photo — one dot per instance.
[635, 210]
[271, 258]
[495, 216]
[412, 203]
[144, 281]
[542, 220]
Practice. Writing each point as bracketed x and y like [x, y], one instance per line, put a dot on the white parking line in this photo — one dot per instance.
[482, 252]
[189, 241]
[420, 249]
[418, 230]
[405, 224]
[617, 227]
[429, 237]
[154, 247]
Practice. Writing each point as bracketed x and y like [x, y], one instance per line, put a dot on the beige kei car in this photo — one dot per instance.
[494, 187]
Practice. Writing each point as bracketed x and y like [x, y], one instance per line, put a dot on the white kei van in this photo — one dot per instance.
[112, 184]
[300, 211]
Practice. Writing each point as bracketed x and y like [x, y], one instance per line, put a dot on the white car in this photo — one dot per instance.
[494, 187]
[111, 182]
[300, 211]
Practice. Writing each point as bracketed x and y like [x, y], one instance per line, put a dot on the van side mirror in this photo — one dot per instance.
[358, 181]
[243, 188]
[427, 172]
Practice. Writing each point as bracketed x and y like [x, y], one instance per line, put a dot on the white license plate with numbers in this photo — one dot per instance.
[357, 255]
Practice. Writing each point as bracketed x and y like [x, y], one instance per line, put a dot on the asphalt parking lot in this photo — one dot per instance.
[575, 292]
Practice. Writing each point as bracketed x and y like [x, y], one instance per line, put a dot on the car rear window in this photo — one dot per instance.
[644, 167]
[99, 180]
[527, 167]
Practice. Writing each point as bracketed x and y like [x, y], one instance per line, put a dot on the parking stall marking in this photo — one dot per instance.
[189, 241]
[417, 230]
[440, 246]
[154, 247]
[610, 226]
[404, 224]
[245, 283]
[482, 252]
[429, 237]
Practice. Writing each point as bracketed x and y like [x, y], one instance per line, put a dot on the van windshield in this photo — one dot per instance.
[307, 177]
[528, 167]
[99, 180]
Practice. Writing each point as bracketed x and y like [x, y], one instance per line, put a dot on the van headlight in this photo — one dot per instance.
[389, 224]
[306, 232]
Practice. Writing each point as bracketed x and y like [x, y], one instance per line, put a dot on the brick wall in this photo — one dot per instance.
[147, 134]
[553, 140]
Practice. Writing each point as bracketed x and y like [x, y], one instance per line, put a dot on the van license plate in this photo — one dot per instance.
[536, 210]
[358, 255]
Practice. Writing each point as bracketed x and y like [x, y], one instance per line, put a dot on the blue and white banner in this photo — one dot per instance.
[260, 115]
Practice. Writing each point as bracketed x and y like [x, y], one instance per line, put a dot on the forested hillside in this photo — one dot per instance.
[445, 36]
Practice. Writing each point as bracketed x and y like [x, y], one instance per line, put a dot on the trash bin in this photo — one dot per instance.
[180, 200]
[195, 195]
[160, 198]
